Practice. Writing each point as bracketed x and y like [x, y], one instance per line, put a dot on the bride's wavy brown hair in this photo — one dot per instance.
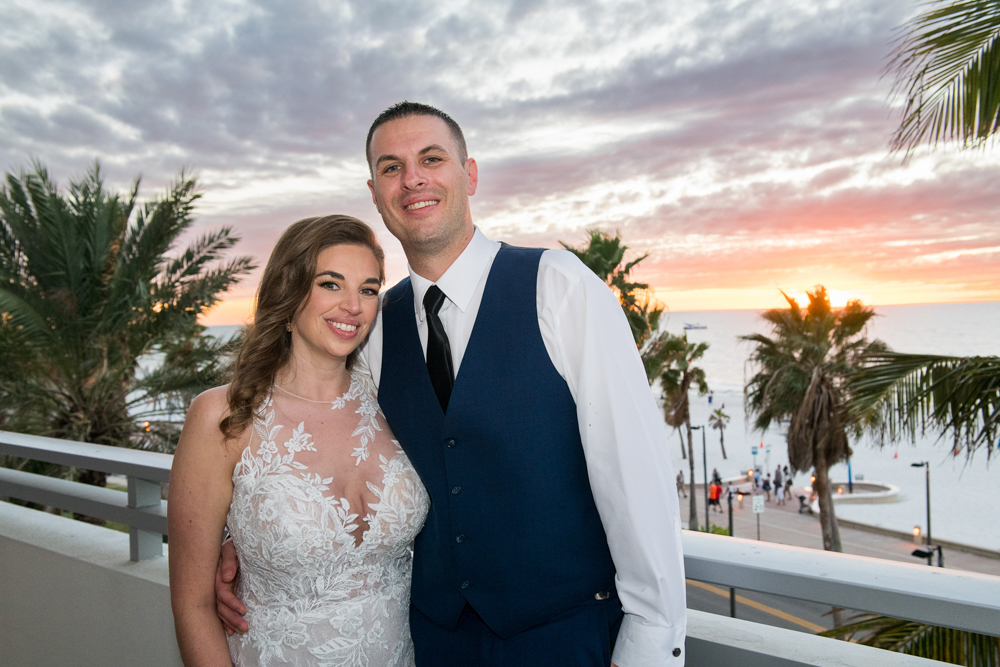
[283, 291]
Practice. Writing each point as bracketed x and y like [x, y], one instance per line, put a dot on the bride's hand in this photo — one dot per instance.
[228, 607]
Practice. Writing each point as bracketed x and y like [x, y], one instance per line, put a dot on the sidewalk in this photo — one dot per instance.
[785, 525]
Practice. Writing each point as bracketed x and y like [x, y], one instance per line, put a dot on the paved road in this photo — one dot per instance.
[785, 525]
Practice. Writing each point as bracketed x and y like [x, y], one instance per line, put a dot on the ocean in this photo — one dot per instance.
[959, 329]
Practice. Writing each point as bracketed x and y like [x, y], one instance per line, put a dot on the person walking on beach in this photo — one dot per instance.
[788, 482]
[680, 483]
[512, 381]
[714, 494]
[779, 490]
[766, 486]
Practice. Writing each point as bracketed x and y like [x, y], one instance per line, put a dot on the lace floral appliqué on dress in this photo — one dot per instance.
[325, 583]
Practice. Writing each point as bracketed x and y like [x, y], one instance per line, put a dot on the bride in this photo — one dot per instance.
[295, 458]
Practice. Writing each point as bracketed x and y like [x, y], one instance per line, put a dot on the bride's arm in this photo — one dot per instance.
[201, 491]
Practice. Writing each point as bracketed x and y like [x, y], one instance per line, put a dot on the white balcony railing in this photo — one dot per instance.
[950, 598]
[141, 508]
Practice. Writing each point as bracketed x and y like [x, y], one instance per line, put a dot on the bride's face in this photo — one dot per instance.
[342, 305]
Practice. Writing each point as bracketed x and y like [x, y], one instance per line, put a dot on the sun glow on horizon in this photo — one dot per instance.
[761, 298]
[237, 310]
[838, 298]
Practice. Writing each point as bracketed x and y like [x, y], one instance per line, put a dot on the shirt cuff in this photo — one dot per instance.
[640, 645]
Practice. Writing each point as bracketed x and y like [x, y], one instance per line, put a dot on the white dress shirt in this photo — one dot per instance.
[624, 439]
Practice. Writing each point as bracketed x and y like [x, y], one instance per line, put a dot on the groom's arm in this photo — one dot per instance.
[624, 440]
[370, 352]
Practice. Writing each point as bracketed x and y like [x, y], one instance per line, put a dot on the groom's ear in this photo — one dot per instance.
[472, 169]
[371, 187]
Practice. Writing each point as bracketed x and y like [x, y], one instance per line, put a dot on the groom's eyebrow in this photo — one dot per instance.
[338, 276]
[424, 151]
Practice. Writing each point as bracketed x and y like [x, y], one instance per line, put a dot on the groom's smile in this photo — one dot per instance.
[421, 204]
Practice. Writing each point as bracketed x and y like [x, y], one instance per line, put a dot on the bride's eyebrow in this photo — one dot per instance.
[334, 274]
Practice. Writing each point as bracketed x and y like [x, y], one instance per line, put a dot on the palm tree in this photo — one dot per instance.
[605, 256]
[799, 374]
[676, 377]
[947, 67]
[718, 420]
[89, 288]
[956, 647]
[891, 396]
[895, 393]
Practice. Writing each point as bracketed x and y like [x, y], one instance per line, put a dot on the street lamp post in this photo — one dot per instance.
[732, 592]
[704, 464]
[926, 465]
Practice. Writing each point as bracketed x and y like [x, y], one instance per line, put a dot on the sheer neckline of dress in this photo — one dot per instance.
[356, 524]
[313, 400]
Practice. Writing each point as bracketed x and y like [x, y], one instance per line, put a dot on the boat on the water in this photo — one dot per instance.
[696, 325]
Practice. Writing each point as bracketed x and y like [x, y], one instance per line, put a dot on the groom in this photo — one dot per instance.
[513, 383]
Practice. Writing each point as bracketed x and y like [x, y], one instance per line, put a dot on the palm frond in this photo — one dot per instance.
[897, 394]
[956, 647]
[603, 254]
[947, 68]
[19, 313]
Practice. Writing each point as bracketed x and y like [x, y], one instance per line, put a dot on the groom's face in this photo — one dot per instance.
[420, 186]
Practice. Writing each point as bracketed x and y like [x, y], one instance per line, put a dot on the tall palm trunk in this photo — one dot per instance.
[693, 505]
[817, 439]
[827, 516]
[722, 443]
[680, 436]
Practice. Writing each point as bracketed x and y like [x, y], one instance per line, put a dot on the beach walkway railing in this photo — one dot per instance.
[950, 598]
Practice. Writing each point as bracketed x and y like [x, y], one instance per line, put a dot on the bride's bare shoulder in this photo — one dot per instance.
[212, 404]
[206, 412]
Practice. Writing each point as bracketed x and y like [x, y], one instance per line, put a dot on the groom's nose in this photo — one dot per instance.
[413, 176]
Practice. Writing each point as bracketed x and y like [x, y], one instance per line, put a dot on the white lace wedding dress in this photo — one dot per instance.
[326, 579]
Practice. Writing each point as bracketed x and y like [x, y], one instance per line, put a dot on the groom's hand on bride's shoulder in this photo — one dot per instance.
[227, 605]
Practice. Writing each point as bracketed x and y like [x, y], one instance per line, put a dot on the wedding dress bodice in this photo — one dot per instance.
[325, 506]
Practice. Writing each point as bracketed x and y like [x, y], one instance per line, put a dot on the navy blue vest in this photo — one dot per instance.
[512, 529]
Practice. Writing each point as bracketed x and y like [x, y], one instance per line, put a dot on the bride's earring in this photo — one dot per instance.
[288, 326]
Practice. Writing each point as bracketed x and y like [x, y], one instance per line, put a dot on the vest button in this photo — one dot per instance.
[450, 442]
[465, 584]
[460, 538]
[455, 490]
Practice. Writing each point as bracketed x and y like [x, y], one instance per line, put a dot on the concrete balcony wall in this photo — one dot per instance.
[70, 596]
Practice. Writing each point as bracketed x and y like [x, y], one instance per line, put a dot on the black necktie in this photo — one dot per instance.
[438, 350]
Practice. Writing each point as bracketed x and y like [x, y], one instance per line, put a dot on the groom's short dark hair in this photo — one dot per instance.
[406, 109]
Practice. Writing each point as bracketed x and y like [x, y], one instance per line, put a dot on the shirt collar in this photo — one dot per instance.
[459, 282]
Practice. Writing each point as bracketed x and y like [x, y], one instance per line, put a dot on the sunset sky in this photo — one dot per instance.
[743, 145]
